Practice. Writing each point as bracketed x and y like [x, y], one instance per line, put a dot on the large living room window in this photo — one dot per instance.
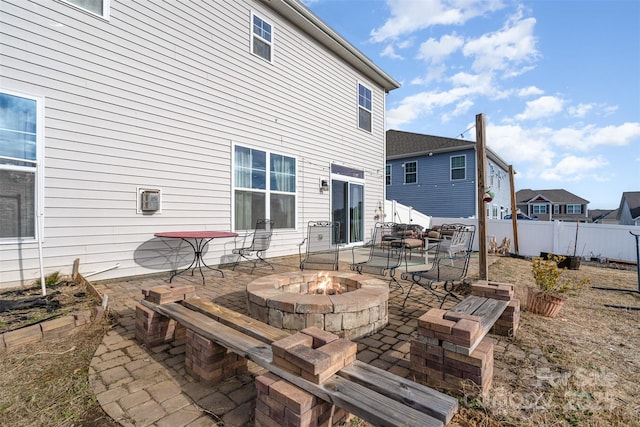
[574, 209]
[261, 38]
[539, 209]
[264, 187]
[458, 167]
[365, 104]
[97, 7]
[20, 149]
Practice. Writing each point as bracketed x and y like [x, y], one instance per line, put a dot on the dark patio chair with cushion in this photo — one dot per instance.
[384, 252]
[321, 249]
[449, 266]
[260, 240]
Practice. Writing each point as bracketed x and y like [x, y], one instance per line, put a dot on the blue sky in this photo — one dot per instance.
[558, 82]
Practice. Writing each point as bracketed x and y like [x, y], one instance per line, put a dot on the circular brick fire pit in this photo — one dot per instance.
[293, 301]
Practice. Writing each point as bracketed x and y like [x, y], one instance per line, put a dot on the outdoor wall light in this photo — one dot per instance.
[324, 185]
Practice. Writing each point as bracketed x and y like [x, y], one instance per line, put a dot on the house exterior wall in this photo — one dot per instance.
[625, 215]
[156, 97]
[436, 194]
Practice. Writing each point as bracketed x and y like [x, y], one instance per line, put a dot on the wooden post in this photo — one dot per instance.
[481, 160]
[514, 210]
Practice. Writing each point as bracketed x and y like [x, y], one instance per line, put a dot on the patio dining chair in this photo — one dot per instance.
[450, 265]
[385, 251]
[255, 244]
[321, 248]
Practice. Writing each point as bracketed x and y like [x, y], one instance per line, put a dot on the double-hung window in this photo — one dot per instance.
[539, 208]
[410, 172]
[261, 38]
[458, 167]
[364, 107]
[20, 148]
[264, 187]
[97, 7]
[387, 174]
[574, 209]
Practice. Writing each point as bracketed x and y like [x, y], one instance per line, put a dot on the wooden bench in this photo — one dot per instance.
[370, 393]
[450, 346]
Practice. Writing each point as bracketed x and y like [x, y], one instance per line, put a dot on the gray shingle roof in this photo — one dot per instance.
[633, 200]
[554, 196]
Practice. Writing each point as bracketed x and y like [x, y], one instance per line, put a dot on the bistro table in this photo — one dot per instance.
[200, 241]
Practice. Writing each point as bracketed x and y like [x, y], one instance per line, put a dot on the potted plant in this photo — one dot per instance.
[552, 286]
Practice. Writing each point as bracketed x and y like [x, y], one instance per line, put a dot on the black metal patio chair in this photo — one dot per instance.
[255, 244]
[321, 248]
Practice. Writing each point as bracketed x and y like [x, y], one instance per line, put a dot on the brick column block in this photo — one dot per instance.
[508, 323]
[495, 290]
[152, 328]
[209, 362]
[313, 354]
[164, 294]
[280, 403]
[455, 328]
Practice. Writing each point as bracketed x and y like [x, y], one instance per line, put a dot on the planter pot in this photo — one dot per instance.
[569, 261]
[542, 303]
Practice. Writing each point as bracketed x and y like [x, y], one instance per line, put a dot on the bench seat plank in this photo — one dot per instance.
[365, 403]
[425, 399]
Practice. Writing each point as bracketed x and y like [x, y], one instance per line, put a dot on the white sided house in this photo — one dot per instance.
[120, 119]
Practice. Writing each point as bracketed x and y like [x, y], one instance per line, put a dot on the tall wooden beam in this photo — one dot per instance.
[481, 164]
[514, 210]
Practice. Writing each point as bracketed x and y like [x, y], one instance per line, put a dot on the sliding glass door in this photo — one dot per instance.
[347, 201]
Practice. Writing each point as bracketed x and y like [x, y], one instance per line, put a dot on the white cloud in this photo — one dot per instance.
[544, 106]
[390, 52]
[435, 51]
[581, 110]
[408, 16]
[573, 168]
[529, 91]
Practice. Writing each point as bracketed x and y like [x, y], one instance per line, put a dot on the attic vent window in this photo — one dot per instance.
[262, 37]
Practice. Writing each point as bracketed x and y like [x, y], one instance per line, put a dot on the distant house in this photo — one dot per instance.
[120, 119]
[437, 175]
[603, 216]
[552, 205]
[629, 210]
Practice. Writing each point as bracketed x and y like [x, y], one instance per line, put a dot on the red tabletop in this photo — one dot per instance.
[196, 234]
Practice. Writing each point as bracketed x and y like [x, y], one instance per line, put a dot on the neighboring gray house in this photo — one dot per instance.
[629, 210]
[217, 112]
[437, 176]
[552, 205]
[603, 216]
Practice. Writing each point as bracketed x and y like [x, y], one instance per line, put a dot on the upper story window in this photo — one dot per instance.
[364, 107]
[20, 148]
[540, 209]
[261, 38]
[458, 167]
[264, 187]
[387, 174]
[98, 7]
[574, 209]
[410, 172]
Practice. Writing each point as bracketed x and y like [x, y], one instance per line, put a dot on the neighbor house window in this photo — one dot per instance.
[458, 167]
[410, 172]
[364, 107]
[574, 209]
[387, 174]
[99, 7]
[265, 187]
[20, 147]
[539, 209]
[556, 209]
[261, 38]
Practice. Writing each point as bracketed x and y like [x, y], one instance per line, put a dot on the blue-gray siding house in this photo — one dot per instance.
[437, 176]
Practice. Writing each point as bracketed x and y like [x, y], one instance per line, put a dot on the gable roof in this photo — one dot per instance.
[304, 19]
[553, 196]
[633, 201]
[401, 144]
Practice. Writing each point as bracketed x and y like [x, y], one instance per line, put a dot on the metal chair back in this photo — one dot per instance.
[321, 247]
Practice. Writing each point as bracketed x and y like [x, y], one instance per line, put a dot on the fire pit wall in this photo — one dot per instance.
[289, 301]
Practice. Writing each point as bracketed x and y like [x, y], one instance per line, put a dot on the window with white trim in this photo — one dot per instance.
[539, 208]
[365, 105]
[574, 209]
[97, 7]
[410, 172]
[387, 174]
[556, 209]
[264, 187]
[20, 148]
[261, 38]
[458, 167]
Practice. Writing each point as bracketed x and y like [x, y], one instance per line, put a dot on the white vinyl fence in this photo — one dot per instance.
[603, 241]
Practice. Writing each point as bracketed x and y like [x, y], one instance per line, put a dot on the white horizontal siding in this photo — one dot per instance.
[155, 97]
